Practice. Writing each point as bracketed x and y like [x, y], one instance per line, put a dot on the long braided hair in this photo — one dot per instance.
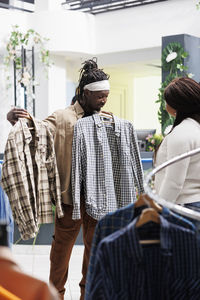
[89, 73]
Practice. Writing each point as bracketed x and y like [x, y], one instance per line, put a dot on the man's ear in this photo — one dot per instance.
[86, 92]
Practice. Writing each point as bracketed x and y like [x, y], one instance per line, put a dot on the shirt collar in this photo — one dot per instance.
[98, 122]
[134, 246]
[27, 131]
[78, 109]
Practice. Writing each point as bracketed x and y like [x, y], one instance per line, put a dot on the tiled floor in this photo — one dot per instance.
[35, 261]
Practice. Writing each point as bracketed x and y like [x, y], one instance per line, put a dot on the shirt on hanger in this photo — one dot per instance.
[30, 177]
[108, 182]
[124, 269]
[115, 221]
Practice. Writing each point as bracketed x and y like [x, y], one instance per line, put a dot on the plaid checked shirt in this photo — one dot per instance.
[117, 220]
[30, 177]
[106, 164]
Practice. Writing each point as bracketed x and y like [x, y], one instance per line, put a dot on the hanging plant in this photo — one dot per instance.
[27, 40]
[173, 56]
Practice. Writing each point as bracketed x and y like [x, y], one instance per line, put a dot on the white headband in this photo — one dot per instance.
[102, 85]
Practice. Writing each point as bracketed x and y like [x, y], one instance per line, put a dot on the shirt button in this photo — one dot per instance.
[99, 125]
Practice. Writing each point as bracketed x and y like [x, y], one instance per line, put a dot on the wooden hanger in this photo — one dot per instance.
[108, 116]
[148, 215]
[29, 117]
[144, 199]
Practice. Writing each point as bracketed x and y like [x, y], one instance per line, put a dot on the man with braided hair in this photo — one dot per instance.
[92, 93]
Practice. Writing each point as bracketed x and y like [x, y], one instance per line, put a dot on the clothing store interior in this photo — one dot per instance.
[100, 149]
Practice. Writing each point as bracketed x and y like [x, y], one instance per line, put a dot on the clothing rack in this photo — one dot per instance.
[152, 194]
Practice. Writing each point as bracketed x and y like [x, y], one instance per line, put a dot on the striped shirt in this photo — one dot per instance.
[124, 269]
[106, 163]
[116, 221]
[30, 177]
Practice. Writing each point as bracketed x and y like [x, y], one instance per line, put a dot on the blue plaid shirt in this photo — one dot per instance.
[124, 269]
[117, 220]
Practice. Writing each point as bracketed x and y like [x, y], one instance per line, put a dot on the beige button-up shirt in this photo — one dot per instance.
[61, 124]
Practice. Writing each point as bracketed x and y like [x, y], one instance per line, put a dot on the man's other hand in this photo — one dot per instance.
[15, 113]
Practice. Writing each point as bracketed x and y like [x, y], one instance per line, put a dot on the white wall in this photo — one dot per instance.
[6, 97]
[145, 109]
[57, 85]
[68, 31]
[7, 19]
[124, 30]
[143, 26]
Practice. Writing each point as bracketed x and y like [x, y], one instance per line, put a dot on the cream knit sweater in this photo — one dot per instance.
[180, 182]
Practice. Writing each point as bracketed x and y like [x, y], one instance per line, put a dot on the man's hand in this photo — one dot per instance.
[14, 114]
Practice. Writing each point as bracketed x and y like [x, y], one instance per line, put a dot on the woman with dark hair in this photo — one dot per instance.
[93, 90]
[180, 182]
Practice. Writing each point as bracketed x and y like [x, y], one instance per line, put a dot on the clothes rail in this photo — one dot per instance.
[152, 194]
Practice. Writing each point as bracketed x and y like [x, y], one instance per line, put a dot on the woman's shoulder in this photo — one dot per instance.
[188, 127]
[187, 132]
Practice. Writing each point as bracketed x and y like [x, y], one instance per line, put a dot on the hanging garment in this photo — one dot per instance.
[6, 212]
[124, 269]
[117, 220]
[30, 177]
[106, 164]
